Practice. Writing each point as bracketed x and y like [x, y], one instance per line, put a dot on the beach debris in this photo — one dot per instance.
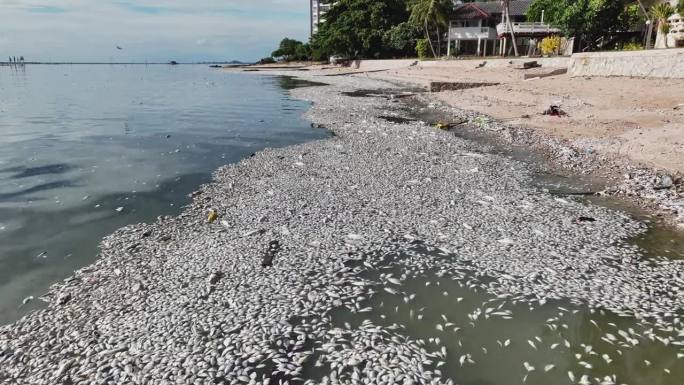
[212, 216]
[253, 232]
[481, 120]
[585, 219]
[526, 65]
[63, 298]
[448, 126]
[481, 65]
[273, 248]
[663, 182]
[119, 209]
[555, 110]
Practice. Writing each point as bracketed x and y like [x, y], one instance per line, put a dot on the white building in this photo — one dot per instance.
[478, 28]
[318, 10]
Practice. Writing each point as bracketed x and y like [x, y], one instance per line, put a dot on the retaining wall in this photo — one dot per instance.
[665, 63]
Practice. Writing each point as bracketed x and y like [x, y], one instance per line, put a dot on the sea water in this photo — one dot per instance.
[86, 149]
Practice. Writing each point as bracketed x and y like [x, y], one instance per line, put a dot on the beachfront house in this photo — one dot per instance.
[478, 28]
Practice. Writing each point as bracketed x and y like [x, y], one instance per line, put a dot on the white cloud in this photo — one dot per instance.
[148, 30]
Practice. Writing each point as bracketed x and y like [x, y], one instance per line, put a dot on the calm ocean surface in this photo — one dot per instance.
[78, 142]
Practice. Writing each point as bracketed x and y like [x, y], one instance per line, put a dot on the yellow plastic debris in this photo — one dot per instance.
[212, 216]
[443, 126]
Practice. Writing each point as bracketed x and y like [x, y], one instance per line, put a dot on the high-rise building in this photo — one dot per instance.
[318, 10]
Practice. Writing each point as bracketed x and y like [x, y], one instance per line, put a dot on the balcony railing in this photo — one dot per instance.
[526, 29]
[471, 33]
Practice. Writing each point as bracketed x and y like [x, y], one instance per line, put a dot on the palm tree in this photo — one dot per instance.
[660, 13]
[506, 8]
[426, 13]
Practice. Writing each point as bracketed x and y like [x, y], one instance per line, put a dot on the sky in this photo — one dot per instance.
[148, 30]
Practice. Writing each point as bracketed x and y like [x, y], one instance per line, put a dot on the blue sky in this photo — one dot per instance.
[148, 30]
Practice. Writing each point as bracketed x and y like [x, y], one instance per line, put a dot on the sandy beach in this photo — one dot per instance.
[641, 119]
[310, 234]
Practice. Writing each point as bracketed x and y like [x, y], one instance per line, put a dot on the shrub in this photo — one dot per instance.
[632, 47]
[550, 45]
[267, 60]
[423, 48]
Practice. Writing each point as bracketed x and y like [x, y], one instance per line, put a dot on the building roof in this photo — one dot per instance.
[490, 9]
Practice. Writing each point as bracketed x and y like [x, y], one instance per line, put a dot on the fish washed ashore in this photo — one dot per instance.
[187, 300]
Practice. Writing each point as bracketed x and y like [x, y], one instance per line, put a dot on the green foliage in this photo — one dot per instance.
[433, 17]
[292, 50]
[423, 49]
[358, 28]
[402, 39]
[431, 12]
[550, 45]
[587, 20]
[660, 12]
[680, 7]
[632, 47]
[633, 17]
[267, 60]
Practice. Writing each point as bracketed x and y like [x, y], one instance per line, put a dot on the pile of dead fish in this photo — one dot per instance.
[246, 297]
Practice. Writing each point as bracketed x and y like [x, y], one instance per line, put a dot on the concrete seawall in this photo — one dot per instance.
[666, 63]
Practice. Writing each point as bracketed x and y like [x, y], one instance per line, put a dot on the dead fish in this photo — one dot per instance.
[391, 291]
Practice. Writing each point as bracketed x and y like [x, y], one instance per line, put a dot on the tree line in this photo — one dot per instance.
[383, 29]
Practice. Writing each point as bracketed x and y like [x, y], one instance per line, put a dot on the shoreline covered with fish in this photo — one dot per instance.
[306, 238]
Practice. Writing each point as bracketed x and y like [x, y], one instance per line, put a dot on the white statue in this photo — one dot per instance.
[675, 38]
